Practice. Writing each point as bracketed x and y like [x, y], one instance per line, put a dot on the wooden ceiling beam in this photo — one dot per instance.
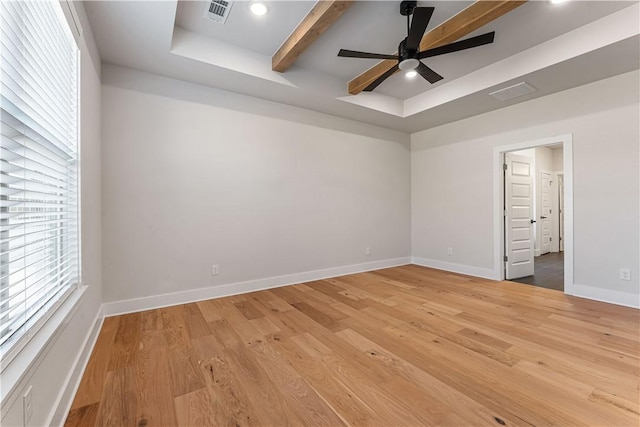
[321, 17]
[468, 20]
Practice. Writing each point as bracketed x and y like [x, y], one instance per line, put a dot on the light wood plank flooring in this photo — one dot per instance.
[405, 346]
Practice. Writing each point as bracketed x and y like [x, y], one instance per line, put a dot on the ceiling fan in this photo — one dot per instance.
[409, 56]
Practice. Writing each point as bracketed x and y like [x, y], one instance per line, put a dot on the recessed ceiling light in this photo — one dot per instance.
[557, 1]
[411, 74]
[258, 8]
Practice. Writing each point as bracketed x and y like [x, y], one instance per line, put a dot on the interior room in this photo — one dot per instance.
[269, 213]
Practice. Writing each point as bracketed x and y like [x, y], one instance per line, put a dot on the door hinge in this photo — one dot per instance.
[504, 213]
[506, 258]
[504, 166]
[551, 239]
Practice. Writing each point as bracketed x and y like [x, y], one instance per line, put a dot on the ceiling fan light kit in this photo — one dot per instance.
[409, 55]
[408, 64]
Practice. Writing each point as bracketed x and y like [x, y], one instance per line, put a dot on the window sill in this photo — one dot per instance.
[36, 348]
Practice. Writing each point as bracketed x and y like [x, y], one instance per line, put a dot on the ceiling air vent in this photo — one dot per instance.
[514, 91]
[218, 10]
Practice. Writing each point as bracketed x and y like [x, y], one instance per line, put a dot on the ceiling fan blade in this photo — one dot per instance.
[355, 54]
[460, 45]
[380, 79]
[428, 74]
[419, 22]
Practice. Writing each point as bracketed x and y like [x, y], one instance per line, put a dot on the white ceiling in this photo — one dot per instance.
[262, 34]
[553, 47]
[526, 26]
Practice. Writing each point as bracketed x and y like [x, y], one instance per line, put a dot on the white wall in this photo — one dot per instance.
[544, 159]
[557, 159]
[54, 372]
[452, 182]
[194, 176]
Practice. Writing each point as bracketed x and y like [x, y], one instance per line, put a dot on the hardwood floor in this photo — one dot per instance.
[403, 346]
[548, 272]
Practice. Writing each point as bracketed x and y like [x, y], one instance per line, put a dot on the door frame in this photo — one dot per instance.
[555, 205]
[539, 228]
[560, 225]
[498, 201]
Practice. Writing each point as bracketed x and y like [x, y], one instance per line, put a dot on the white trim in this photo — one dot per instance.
[28, 332]
[63, 403]
[567, 166]
[21, 367]
[539, 229]
[469, 270]
[555, 207]
[606, 295]
[71, 15]
[165, 300]
[498, 185]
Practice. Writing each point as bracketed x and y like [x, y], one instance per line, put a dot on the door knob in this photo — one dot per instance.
[543, 217]
[532, 221]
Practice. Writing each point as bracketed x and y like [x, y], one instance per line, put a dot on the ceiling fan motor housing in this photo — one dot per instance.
[407, 58]
[406, 7]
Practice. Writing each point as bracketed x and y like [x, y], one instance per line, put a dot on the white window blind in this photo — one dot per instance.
[39, 238]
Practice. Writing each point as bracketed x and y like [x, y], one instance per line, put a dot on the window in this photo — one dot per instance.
[39, 236]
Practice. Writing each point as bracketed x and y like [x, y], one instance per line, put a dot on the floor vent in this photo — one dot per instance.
[218, 10]
[514, 91]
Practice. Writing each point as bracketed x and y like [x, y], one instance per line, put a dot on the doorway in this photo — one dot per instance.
[533, 205]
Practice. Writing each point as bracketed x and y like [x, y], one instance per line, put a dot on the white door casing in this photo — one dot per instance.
[561, 209]
[519, 242]
[544, 212]
[499, 240]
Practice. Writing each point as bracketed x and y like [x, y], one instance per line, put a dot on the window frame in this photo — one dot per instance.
[22, 350]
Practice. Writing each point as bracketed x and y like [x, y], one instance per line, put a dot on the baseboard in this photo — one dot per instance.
[71, 384]
[16, 375]
[606, 295]
[486, 273]
[165, 300]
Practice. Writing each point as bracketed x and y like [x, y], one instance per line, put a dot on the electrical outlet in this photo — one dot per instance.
[27, 405]
[625, 274]
[367, 251]
[449, 251]
[215, 270]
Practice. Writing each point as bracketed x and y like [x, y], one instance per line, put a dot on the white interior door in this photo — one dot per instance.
[519, 245]
[544, 218]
